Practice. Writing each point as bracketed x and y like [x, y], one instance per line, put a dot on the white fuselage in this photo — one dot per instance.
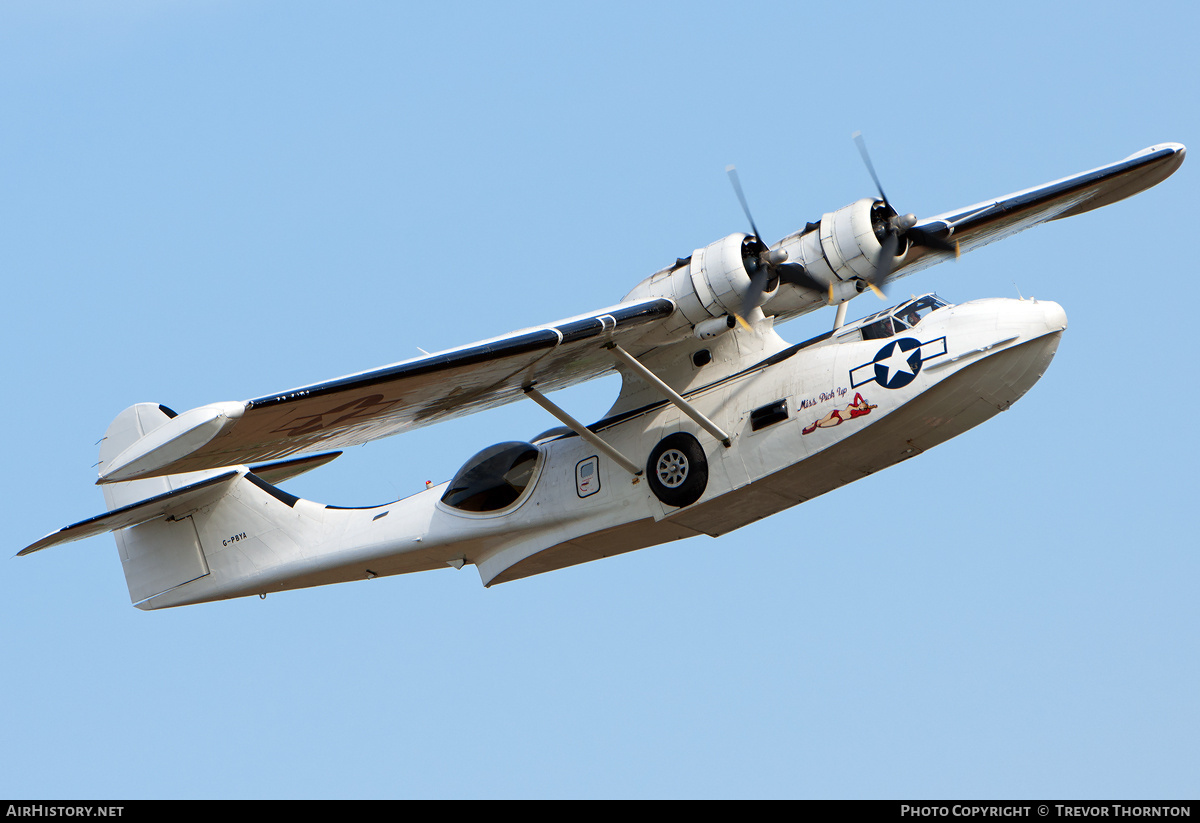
[801, 421]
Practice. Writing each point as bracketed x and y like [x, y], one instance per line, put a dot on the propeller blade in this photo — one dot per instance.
[737, 188]
[862, 149]
[797, 275]
[932, 241]
[899, 226]
[883, 264]
[761, 274]
[765, 264]
[758, 284]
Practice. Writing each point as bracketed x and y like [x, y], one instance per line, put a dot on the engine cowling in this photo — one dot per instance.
[712, 283]
[843, 249]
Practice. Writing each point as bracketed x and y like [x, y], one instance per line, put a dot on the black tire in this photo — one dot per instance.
[678, 470]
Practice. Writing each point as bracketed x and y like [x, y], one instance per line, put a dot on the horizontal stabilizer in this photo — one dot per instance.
[177, 500]
[281, 470]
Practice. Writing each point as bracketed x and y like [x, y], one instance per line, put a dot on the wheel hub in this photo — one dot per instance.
[672, 468]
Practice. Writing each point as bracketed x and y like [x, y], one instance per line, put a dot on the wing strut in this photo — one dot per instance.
[669, 393]
[583, 431]
[839, 320]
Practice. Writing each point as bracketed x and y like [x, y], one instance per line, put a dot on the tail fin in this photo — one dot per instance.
[161, 554]
[130, 426]
[152, 519]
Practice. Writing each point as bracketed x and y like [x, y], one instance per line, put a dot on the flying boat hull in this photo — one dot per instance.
[845, 419]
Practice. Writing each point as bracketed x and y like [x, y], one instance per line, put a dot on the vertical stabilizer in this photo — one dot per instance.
[130, 426]
[162, 554]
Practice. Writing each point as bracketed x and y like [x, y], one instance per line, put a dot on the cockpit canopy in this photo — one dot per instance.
[901, 318]
[493, 479]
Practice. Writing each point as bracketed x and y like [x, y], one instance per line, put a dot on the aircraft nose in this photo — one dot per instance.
[1056, 318]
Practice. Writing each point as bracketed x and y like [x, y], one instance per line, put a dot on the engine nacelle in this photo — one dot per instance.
[845, 246]
[712, 283]
[841, 252]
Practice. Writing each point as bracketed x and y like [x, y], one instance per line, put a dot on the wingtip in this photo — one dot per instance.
[1174, 157]
[154, 453]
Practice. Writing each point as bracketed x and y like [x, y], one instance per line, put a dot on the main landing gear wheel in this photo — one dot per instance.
[678, 470]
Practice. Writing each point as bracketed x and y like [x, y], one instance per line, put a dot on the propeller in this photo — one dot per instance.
[764, 264]
[897, 227]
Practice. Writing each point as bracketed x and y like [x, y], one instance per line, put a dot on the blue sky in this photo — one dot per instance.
[206, 201]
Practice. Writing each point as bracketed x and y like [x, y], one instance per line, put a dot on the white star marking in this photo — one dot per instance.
[897, 363]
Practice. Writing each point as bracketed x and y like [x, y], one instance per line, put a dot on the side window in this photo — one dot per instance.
[493, 479]
[587, 476]
[768, 415]
[878, 330]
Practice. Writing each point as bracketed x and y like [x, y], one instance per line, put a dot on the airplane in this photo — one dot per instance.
[719, 421]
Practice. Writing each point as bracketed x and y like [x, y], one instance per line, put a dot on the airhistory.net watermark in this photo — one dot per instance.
[44, 810]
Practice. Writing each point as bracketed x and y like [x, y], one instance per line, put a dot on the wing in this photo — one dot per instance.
[840, 254]
[992, 220]
[369, 405]
[358, 408]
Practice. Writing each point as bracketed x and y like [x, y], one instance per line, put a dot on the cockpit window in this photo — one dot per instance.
[493, 479]
[879, 329]
[916, 311]
[903, 317]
